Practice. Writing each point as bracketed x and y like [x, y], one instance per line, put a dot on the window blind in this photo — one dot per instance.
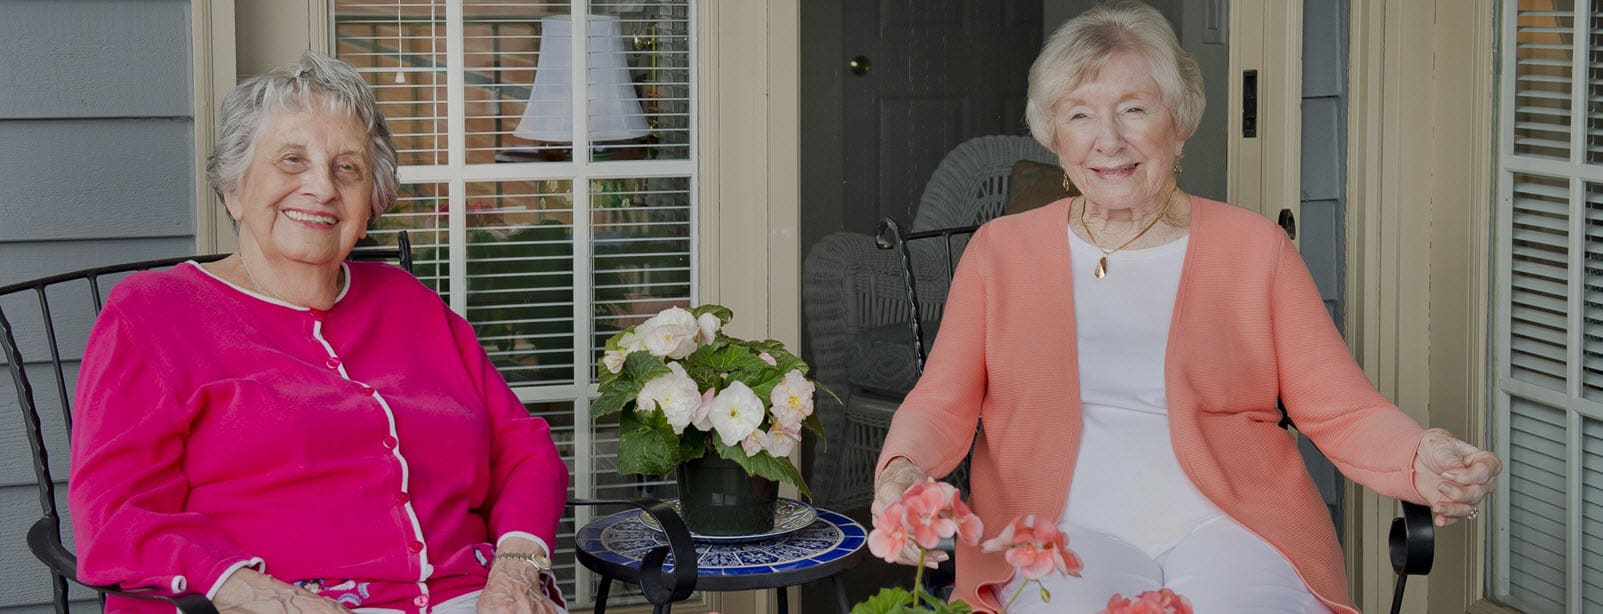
[546, 253]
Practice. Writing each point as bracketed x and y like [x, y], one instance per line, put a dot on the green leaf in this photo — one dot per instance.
[812, 424]
[721, 312]
[888, 601]
[765, 465]
[620, 391]
[646, 444]
[693, 444]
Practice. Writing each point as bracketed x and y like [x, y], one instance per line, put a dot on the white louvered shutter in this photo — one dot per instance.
[1548, 543]
[544, 252]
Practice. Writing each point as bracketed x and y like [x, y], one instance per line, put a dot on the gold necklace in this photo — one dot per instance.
[1101, 269]
[257, 286]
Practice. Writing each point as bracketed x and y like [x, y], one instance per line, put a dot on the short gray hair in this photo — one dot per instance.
[1081, 46]
[315, 78]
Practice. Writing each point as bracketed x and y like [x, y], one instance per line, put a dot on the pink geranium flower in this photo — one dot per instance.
[929, 517]
[889, 536]
[1035, 548]
[1162, 601]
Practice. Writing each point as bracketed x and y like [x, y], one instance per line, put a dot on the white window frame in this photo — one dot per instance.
[456, 173]
[1505, 387]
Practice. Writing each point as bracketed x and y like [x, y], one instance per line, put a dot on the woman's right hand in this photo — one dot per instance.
[899, 475]
[247, 591]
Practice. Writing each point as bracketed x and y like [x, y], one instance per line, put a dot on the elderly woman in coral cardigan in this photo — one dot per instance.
[1125, 351]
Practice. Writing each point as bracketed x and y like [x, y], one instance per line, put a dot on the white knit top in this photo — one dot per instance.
[1127, 482]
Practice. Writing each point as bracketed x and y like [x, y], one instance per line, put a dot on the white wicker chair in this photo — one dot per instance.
[856, 308]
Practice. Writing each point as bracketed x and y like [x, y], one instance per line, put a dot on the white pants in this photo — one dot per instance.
[1220, 566]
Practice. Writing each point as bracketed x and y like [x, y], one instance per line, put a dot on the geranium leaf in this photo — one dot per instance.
[887, 601]
[765, 465]
[646, 444]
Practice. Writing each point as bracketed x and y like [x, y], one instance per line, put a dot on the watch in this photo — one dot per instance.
[539, 560]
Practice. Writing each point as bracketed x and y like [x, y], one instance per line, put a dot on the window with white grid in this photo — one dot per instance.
[1548, 538]
[547, 252]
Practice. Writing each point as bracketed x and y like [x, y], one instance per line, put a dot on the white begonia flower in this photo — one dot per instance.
[768, 358]
[671, 333]
[613, 360]
[702, 418]
[735, 413]
[709, 325]
[781, 440]
[792, 399]
[756, 442]
[628, 343]
[674, 394]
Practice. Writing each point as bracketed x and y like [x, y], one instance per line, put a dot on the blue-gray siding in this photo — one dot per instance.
[96, 167]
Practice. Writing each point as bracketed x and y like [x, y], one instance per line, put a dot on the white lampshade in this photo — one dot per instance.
[615, 113]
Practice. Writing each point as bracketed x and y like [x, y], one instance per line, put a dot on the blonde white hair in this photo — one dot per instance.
[1081, 46]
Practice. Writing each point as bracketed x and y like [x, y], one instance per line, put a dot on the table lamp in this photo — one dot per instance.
[615, 113]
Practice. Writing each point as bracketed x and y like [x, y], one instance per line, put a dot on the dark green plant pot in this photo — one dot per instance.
[717, 497]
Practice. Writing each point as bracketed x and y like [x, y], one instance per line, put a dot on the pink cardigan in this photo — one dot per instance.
[1248, 327]
[370, 452]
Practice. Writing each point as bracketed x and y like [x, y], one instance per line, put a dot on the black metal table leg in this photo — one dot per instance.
[840, 594]
[602, 588]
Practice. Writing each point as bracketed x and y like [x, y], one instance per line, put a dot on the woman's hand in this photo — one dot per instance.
[1453, 476]
[514, 587]
[247, 591]
[898, 476]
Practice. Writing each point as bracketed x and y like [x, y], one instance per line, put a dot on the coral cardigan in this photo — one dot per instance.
[1248, 327]
[370, 453]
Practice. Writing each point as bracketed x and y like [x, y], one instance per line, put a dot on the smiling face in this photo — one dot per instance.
[305, 196]
[1115, 137]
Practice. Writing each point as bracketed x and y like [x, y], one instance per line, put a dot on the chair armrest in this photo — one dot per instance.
[44, 539]
[659, 586]
[1412, 541]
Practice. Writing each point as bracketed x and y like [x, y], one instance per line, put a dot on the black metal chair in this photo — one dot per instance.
[44, 537]
[1412, 539]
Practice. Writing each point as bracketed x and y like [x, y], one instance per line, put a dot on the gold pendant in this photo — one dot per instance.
[1101, 268]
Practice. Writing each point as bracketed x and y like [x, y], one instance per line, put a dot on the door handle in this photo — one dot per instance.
[859, 65]
[1288, 222]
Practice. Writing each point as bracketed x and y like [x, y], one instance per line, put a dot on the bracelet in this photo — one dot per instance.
[538, 560]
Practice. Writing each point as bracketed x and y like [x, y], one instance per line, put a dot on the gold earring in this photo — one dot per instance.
[1067, 186]
[1177, 166]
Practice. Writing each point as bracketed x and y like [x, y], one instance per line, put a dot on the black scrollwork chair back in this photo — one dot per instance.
[51, 315]
[1412, 539]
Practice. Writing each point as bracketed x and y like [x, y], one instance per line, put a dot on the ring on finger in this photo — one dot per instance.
[1474, 512]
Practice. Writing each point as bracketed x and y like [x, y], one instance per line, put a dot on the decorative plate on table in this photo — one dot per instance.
[790, 516]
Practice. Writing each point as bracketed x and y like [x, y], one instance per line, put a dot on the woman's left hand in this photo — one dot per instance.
[1453, 476]
[514, 587]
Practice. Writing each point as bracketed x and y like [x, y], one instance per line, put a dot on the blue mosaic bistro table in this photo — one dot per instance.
[613, 546]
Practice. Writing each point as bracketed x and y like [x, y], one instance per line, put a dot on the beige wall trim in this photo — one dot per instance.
[1266, 174]
[1489, 607]
[211, 25]
[1419, 189]
[747, 143]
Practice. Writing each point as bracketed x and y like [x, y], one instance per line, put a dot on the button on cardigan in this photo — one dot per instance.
[1248, 327]
[371, 451]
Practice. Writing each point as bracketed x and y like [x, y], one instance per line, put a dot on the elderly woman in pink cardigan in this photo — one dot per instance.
[1125, 351]
[288, 432]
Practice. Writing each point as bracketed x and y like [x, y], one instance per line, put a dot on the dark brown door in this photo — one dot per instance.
[928, 75]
